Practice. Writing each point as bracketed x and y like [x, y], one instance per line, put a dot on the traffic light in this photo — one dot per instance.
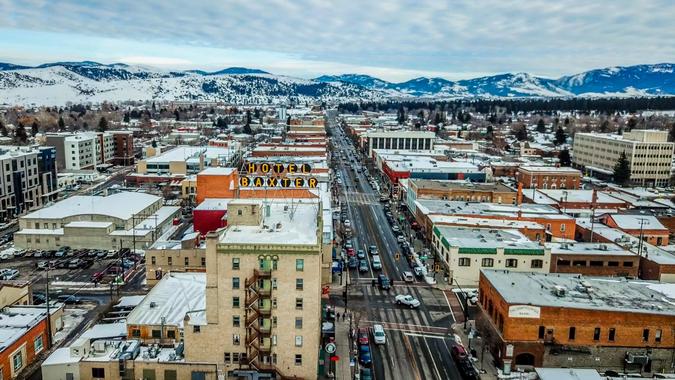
[397, 256]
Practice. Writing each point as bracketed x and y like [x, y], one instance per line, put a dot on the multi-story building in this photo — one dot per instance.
[568, 320]
[458, 191]
[593, 259]
[123, 143]
[398, 140]
[47, 170]
[465, 251]
[549, 177]
[263, 292]
[649, 153]
[20, 181]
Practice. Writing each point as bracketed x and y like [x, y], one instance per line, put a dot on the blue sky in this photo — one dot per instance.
[394, 39]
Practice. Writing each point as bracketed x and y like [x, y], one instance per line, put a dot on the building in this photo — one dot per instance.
[23, 336]
[399, 140]
[465, 251]
[47, 172]
[85, 150]
[399, 166]
[593, 259]
[577, 202]
[125, 219]
[179, 163]
[123, 143]
[568, 320]
[20, 182]
[648, 151]
[645, 227]
[178, 250]
[263, 292]
[549, 177]
[458, 191]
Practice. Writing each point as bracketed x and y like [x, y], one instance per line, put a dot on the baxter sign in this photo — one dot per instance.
[271, 175]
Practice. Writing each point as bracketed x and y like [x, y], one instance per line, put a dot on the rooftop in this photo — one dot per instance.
[588, 249]
[577, 196]
[485, 238]
[285, 222]
[484, 222]
[217, 171]
[568, 374]
[183, 153]
[171, 299]
[119, 205]
[435, 206]
[574, 291]
[635, 222]
[460, 185]
[17, 321]
[550, 169]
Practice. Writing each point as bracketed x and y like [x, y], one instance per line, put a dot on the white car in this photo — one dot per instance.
[400, 239]
[378, 334]
[408, 300]
[348, 223]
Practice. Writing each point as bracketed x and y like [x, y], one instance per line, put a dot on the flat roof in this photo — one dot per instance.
[483, 222]
[460, 185]
[485, 238]
[120, 205]
[550, 169]
[568, 374]
[577, 248]
[184, 153]
[211, 204]
[635, 222]
[217, 170]
[436, 206]
[17, 321]
[426, 163]
[606, 294]
[170, 299]
[87, 224]
[577, 196]
[292, 223]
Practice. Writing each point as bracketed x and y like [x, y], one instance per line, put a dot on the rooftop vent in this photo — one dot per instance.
[559, 291]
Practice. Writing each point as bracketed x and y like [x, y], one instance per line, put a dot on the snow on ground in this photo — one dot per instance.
[72, 317]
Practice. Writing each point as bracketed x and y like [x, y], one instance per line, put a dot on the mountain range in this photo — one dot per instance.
[60, 82]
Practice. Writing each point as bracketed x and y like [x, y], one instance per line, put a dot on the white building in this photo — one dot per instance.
[649, 153]
[399, 140]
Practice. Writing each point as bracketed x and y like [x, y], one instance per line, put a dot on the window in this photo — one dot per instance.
[612, 334]
[228, 357]
[196, 329]
[153, 260]
[170, 374]
[645, 335]
[235, 263]
[203, 261]
[487, 262]
[236, 321]
[542, 331]
[299, 265]
[298, 322]
[148, 374]
[579, 263]
[98, 373]
[627, 263]
[298, 303]
[235, 282]
[657, 336]
[274, 303]
[169, 260]
[298, 359]
[239, 212]
[536, 263]
[236, 339]
[274, 283]
[298, 341]
[572, 334]
[511, 263]
[136, 333]
[596, 334]
[298, 284]
[171, 334]
[595, 263]
[187, 261]
[612, 263]
[235, 302]
[274, 321]
[464, 262]
[156, 334]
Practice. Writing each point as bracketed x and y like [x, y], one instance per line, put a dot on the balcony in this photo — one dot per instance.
[265, 292]
[265, 311]
[262, 273]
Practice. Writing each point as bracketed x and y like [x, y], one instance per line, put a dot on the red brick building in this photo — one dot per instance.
[593, 259]
[651, 230]
[124, 148]
[549, 177]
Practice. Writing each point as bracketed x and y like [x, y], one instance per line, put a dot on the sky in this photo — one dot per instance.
[394, 40]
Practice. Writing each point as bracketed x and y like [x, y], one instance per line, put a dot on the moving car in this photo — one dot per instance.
[407, 300]
[361, 254]
[400, 239]
[378, 334]
[372, 250]
[366, 374]
[408, 277]
[377, 263]
[363, 266]
[458, 353]
[384, 282]
[353, 263]
[365, 357]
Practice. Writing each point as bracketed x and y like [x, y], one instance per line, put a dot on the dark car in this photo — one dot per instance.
[68, 299]
[366, 374]
[363, 336]
[363, 266]
[458, 353]
[353, 263]
[467, 370]
[384, 282]
[365, 357]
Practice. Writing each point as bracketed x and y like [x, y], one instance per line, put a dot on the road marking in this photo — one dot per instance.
[408, 348]
[449, 306]
[426, 335]
[431, 356]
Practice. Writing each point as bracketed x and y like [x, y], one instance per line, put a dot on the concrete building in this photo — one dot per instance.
[20, 182]
[649, 153]
[400, 140]
[180, 162]
[567, 320]
[593, 259]
[77, 151]
[549, 177]
[125, 219]
[465, 251]
[263, 292]
[458, 191]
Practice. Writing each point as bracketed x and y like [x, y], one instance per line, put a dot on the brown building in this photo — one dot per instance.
[124, 148]
[564, 320]
[648, 227]
[549, 177]
[593, 259]
[461, 191]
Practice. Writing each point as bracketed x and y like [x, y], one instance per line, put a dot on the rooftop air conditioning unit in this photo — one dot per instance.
[559, 291]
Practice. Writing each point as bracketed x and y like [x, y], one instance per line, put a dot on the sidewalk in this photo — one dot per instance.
[483, 360]
[342, 340]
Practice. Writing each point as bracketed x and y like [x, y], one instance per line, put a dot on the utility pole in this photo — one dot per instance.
[642, 223]
[49, 317]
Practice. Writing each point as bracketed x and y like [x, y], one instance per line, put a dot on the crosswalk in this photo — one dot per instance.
[359, 198]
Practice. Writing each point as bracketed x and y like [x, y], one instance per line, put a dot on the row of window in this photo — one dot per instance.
[508, 263]
[169, 261]
[593, 263]
[240, 357]
[545, 333]
[299, 264]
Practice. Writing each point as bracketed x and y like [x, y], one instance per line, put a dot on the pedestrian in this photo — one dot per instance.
[338, 317]
[343, 316]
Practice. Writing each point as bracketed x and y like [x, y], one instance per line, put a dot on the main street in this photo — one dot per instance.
[418, 340]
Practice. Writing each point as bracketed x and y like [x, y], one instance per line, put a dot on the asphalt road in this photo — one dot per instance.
[418, 340]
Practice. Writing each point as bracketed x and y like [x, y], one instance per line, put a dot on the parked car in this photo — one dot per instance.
[353, 263]
[377, 263]
[96, 277]
[363, 336]
[400, 239]
[363, 266]
[378, 334]
[74, 264]
[114, 270]
[408, 277]
[384, 282]
[407, 300]
[68, 299]
[419, 272]
[361, 254]
[458, 353]
[39, 298]
[9, 274]
[42, 265]
[366, 374]
[365, 357]
[351, 252]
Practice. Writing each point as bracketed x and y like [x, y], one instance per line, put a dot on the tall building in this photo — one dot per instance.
[78, 151]
[20, 181]
[399, 140]
[123, 142]
[649, 153]
[263, 292]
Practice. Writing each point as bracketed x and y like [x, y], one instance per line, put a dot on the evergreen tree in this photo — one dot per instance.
[62, 124]
[400, 115]
[521, 133]
[489, 132]
[604, 126]
[671, 134]
[541, 126]
[20, 134]
[154, 108]
[560, 136]
[127, 118]
[247, 127]
[102, 124]
[619, 131]
[632, 123]
[3, 129]
[565, 158]
[567, 121]
[34, 128]
[176, 114]
[437, 119]
[622, 170]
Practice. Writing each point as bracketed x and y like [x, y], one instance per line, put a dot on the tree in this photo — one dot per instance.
[560, 136]
[604, 126]
[400, 116]
[671, 134]
[126, 117]
[247, 127]
[541, 126]
[20, 134]
[521, 133]
[632, 123]
[489, 132]
[565, 158]
[62, 124]
[622, 170]
[34, 128]
[102, 124]
[3, 129]
[176, 114]
[288, 121]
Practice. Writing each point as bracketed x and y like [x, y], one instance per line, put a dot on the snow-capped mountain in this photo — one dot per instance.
[61, 82]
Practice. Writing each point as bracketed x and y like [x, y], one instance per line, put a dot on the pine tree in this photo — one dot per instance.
[671, 134]
[176, 114]
[3, 129]
[126, 117]
[102, 124]
[565, 158]
[34, 128]
[489, 132]
[560, 136]
[401, 115]
[604, 126]
[632, 123]
[541, 126]
[288, 121]
[154, 108]
[62, 124]
[20, 134]
[622, 170]
[247, 127]
[521, 133]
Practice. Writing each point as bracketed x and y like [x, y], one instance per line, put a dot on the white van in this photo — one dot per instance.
[377, 263]
[378, 334]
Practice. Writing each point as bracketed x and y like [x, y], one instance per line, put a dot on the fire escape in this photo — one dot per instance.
[258, 303]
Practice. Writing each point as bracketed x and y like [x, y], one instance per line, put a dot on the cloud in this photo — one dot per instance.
[155, 61]
[398, 36]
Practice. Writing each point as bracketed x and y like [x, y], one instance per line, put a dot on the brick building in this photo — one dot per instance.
[593, 259]
[459, 191]
[566, 320]
[548, 177]
[648, 227]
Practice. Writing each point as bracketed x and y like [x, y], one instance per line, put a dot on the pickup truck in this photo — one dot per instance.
[407, 300]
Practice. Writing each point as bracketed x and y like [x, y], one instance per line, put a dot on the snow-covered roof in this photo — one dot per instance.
[577, 248]
[119, 205]
[184, 153]
[217, 171]
[17, 321]
[88, 224]
[485, 238]
[635, 222]
[170, 299]
[568, 374]
[210, 204]
[106, 330]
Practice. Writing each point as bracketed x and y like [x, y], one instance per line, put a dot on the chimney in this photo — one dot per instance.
[519, 197]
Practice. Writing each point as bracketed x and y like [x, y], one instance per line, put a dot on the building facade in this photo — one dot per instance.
[399, 140]
[544, 177]
[20, 182]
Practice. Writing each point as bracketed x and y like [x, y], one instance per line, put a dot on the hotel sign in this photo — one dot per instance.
[524, 311]
[275, 175]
